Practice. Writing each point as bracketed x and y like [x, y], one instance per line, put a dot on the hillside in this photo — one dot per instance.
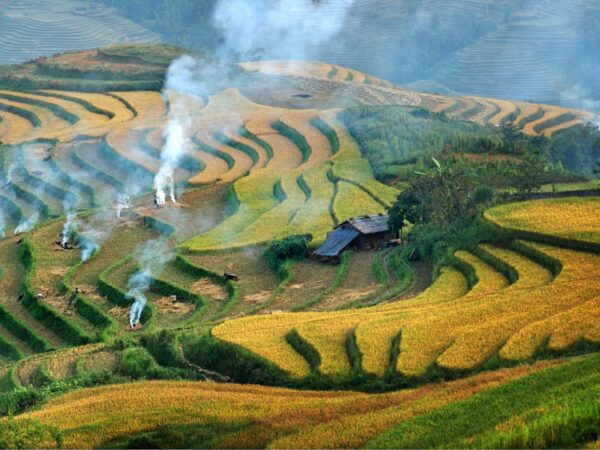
[235, 416]
[32, 28]
[102, 283]
[462, 46]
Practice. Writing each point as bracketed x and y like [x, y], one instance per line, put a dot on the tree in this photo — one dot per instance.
[442, 197]
[396, 223]
[509, 131]
[530, 174]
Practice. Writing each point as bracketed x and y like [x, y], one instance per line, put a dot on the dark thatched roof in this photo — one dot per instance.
[336, 241]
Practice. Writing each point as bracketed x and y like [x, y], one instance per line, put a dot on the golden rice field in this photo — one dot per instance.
[272, 417]
[448, 326]
[571, 218]
[288, 175]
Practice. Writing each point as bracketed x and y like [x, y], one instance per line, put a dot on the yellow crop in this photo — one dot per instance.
[443, 326]
[548, 132]
[506, 108]
[272, 222]
[530, 274]
[313, 216]
[255, 196]
[278, 418]
[487, 107]
[285, 152]
[573, 218]
[435, 103]
[149, 105]
[359, 172]
[320, 146]
[351, 201]
[242, 162]
[50, 126]
[377, 334]
[550, 112]
[313, 69]
[15, 128]
[348, 147]
[489, 280]
[106, 102]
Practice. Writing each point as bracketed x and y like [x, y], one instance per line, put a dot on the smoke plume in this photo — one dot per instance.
[286, 29]
[123, 202]
[2, 225]
[180, 86]
[27, 224]
[151, 256]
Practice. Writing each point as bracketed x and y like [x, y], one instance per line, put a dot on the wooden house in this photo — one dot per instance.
[357, 233]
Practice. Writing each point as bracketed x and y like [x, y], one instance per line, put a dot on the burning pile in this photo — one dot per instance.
[152, 257]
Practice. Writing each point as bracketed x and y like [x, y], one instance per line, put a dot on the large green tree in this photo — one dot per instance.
[444, 197]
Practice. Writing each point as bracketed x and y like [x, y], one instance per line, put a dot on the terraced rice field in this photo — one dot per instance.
[232, 416]
[511, 318]
[273, 171]
[572, 218]
[533, 118]
[62, 26]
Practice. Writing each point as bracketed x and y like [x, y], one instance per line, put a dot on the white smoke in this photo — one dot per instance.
[578, 97]
[10, 173]
[2, 225]
[285, 29]
[68, 229]
[123, 202]
[151, 256]
[27, 224]
[138, 284]
[88, 248]
[93, 231]
[180, 86]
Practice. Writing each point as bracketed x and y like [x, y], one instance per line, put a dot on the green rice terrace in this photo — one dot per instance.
[144, 235]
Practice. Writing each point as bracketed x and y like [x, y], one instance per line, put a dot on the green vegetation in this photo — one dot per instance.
[28, 434]
[554, 408]
[396, 142]
[513, 282]
[389, 136]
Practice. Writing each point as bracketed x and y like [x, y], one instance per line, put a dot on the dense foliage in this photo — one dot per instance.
[393, 140]
[28, 433]
[291, 247]
[392, 136]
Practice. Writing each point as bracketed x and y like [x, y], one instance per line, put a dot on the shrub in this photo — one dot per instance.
[291, 247]
[28, 433]
[164, 347]
[136, 362]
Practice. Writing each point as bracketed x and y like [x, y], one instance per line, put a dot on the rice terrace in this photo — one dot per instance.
[299, 224]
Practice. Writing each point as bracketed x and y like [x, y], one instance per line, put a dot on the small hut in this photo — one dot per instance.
[358, 233]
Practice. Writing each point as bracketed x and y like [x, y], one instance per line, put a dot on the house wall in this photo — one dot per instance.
[369, 241]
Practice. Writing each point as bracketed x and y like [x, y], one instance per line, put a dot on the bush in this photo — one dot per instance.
[233, 361]
[136, 362]
[164, 347]
[28, 433]
[293, 247]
